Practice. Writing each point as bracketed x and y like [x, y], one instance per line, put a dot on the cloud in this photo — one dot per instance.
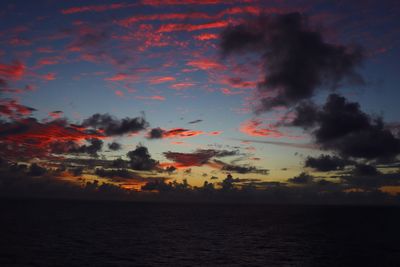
[198, 158]
[206, 36]
[341, 126]
[95, 8]
[140, 159]
[153, 97]
[164, 79]
[56, 114]
[325, 163]
[113, 126]
[278, 143]
[13, 109]
[173, 27]
[158, 133]
[13, 71]
[95, 146]
[297, 60]
[27, 138]
[302, 178]
[255, 127]
[195, 121]
[205, 64]
[116, 174]
[242, 169]
[182, 85]
[114, 146]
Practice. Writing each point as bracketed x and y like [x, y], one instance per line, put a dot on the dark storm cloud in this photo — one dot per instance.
[140, 159]
[114, 146]
[113, 126]
[365, 170]
[302, 178]
[371, 181]
[297, 60]
[343, 127]
[242, 169]
[325, 163]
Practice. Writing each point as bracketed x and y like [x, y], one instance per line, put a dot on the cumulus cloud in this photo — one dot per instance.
[302, 178]
[325, 163]
[140, 159]
[113, 126]
[341, 126]
[297, 60]
[95, 146]
[114, 146]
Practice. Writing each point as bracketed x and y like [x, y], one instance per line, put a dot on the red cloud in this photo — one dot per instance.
[215, 133]
[255, 127]
[55, 114]
[171, 16]
[186, 2]
[26, 138]
[94, 8]
[11, 108]
[12, 71]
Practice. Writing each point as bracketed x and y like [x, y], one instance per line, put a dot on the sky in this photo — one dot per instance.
[134, 95]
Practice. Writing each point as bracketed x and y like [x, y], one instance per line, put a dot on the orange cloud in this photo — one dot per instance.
[181, 133]
[254, 127]
[206, 36]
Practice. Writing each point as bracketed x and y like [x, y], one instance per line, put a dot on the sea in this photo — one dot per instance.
[111, 233]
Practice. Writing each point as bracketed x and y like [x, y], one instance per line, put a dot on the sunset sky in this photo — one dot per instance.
[256, 89]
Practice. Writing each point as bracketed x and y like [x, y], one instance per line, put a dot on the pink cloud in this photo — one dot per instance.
[158, 80]
[95, 8]
[153, 97]
[254, 127]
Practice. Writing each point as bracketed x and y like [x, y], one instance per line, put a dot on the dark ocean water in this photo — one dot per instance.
[84, 233]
